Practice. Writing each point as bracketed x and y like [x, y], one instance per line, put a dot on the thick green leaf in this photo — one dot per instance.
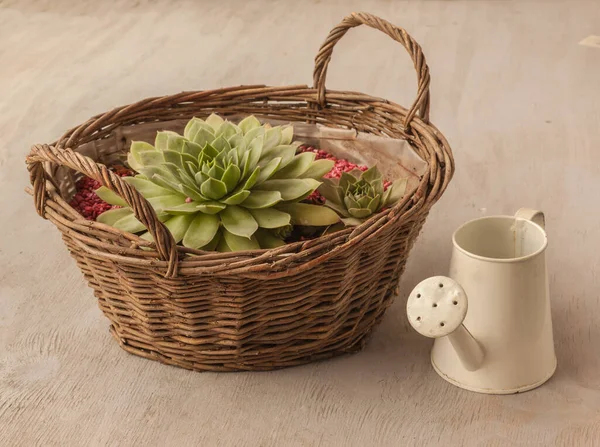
[237, 198]
[129, 224]
[110, 217]
[200, 177]
[238, 221]
[346, 180]
[374, 203]
[262, 199]
[364, 201]
[290, 189]
[253, 152]
[231, 177]
[184, 208]
[228, 129]
[237, 141]
[179, 225]
[378, 186]
[252, 134]
[201, 231]
[334, 228]
[338, 208]
[191, 130]
[287, 133]
[222, 245]
[211, 207]
[372, 174]
[214, 121]
[272, 137]
[150, 158]
[318, 169]
[298, 166]
[212, 245]
[203, 137]
[222, 158]
[286, 153]
[134, 164]
[210, 151]
[359, 213]
[161, 143]
[192, 193]
[213, 189]
[192, 168]
[187, 158]
[174, 158]
[221, 144]
[251, 181]
[249, 123]
[216, 172]
[150, 171]
[176, 143]
[192, 149]
[166, 183]
[110, 197]
[245, 164]
[237, 243]
[310, 215]
[162, 203]
[233, 157]
[180, 175]
[395, 192]
[331, 191]
[267, 171]
[351, 221]
[146, 187]
[266, 239]
[349, 202]
[137, 147]
[270, 217]
[163, 182]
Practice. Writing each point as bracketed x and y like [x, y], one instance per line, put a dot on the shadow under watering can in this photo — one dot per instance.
[498, 340]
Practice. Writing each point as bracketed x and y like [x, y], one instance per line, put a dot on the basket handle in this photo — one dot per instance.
[421, 103]
[143, 211]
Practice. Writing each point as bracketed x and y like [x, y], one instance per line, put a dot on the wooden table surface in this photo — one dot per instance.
[518, 99]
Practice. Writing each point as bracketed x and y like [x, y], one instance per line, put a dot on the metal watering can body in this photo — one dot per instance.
[491, 318]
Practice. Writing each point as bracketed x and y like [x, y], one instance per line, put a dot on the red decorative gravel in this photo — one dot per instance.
[86, 202]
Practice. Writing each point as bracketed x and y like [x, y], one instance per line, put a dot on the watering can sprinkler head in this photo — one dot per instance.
[437, 308]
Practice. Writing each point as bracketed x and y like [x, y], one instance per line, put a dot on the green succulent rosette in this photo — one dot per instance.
[223, 186]
[357, 195]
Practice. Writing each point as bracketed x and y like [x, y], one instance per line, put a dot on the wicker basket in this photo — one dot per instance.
[254, 310]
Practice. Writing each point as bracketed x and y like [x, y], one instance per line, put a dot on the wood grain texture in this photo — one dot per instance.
[512, 90]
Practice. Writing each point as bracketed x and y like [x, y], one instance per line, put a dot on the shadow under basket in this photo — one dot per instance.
[253, 310]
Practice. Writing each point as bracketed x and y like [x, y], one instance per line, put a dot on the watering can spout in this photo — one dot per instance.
[468, 349]
[437, 308]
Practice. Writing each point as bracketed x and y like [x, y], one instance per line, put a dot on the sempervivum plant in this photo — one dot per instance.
[357, 195]
[224, 186]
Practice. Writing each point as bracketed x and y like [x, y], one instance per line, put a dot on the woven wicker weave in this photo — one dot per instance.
[260, 309]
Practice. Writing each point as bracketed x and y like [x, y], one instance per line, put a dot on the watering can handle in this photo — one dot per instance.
[535, 216]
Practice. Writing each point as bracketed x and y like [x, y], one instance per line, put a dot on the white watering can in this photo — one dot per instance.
[499, 341]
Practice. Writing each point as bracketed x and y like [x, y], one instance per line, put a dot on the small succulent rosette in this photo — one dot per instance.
[223, 186]
[357, 195]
